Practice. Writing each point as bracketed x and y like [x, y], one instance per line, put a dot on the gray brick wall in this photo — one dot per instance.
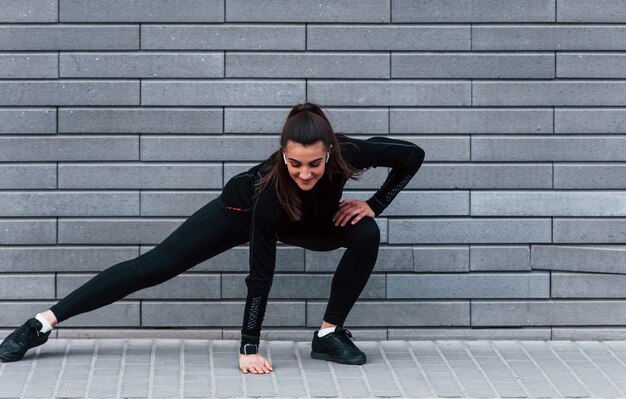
[119, 119]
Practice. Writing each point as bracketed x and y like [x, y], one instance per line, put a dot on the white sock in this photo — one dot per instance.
[325, 331]
[46, 326]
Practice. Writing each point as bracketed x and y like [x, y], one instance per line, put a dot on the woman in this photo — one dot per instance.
[293, 196]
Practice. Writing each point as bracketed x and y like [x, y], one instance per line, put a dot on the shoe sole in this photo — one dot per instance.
[324, 356]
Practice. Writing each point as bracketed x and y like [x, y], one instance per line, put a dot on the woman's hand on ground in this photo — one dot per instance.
[352, 209]
[255, 364]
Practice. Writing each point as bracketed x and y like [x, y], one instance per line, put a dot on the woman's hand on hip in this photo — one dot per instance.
[352, 209]
[255, 364]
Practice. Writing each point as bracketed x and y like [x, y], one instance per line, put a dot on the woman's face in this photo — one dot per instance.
[306, 164]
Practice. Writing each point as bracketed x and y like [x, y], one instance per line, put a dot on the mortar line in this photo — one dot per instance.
[599, 369]
[268, 351]
[393, 373]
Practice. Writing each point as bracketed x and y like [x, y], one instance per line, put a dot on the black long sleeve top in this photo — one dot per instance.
[267, 217]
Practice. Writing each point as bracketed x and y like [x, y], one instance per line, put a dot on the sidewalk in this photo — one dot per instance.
[176, 368]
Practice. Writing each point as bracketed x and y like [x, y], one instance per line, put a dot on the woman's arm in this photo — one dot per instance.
[403, 157]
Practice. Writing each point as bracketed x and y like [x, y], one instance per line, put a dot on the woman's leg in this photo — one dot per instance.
[361, 241]
[208, 232]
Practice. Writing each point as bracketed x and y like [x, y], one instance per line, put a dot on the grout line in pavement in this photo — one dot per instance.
[152, 361]
[55, 391]
[332, 373]
[456, 377]
[572, 372]
[212, 368]
[181, 378]
[268, 351]
[464, 345]
[393, 373]
[120, 376]
[301, 368]
[91, 367]
[366, 381]
[31, 371]
[421, 369]
[599, 369]
[539, 368]
[508, 366]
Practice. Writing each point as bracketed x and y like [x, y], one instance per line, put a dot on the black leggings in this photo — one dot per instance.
[212, 230]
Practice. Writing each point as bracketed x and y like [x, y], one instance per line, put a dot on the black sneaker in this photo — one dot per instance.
[22, 339]
[337, 347]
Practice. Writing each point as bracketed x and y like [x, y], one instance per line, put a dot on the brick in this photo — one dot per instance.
[60, 148]
[304, 11]
[473, 230]
[548, 203]
[575, 230]
[141, 11]
[468, 120]
[472, 11]
[69, 37]
[28, 11]
[590, 176]
[69, 92]
[226, 92]
[142, 65]
[589, 334]
[64, 259]
[544, 148]
[431, 202]
[186, 286]
[472, 65]
[590, 120]
[483, 176]
[27, 286]
[276, 335]
[500, 258]
[68, 203]
[570, 93]
[115, 231]
[587, 285]
[27, 121]
[28, 176]
[217, 148]
[389, 93]
[178, 203]
[581, 65]
[118, 314]
[390, 259]
[140, 120]
[529, 333]
[307, 65]
[601, 259]
[28, 231]
[548, 37]
[388, 38]
[203, 314]
[222, 37]
[584, 11]
[469, 285]
[441, 259]
[237, 259]
[397, 313]
[29, 66]
[549, 312]
[135, 175]
[299, 286]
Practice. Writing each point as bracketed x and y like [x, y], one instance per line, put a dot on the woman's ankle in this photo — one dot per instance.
[48, 315]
